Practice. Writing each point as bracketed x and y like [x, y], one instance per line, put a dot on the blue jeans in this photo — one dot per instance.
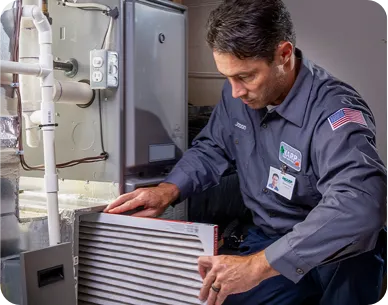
[353, 281]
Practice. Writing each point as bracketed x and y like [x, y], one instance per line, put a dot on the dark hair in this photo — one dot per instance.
[275, 175]
[250, 28]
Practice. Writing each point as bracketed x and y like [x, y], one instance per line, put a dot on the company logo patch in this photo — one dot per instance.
[290, 156]
[344, 116]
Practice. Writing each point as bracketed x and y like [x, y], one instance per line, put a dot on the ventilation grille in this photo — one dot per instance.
[127, 260]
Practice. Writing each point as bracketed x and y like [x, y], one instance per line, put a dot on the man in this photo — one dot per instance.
[317, 240]
[274, 183]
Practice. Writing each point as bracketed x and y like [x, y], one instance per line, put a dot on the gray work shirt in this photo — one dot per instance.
[323, 135]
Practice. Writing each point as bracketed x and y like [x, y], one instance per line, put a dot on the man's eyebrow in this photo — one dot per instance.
[239, 74]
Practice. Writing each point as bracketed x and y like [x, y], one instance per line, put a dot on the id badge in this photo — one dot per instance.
[281, 183]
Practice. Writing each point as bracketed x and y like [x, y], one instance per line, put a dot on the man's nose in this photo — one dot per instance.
[238, 90]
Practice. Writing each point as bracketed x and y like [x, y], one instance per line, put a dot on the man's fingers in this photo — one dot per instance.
[206, 261]
[213, 295]
[119, 201]
[211, 300]
[145, 213]
[204, 265]
[203, 271]
[114, 204]
[127, 206]
[221, 297]
[206, 286]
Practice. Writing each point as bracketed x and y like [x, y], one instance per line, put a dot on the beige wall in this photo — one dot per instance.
[354, 51]
[205, 83]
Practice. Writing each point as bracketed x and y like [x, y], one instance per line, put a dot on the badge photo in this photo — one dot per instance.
[280, 183]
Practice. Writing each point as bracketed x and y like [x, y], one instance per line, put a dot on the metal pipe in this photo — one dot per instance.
[64, 66]
[44, 7]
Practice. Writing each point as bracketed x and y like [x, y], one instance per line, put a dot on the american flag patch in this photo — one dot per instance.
[344, 116]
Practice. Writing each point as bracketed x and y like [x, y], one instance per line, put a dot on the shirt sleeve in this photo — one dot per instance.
[352, 211]
[203, 165]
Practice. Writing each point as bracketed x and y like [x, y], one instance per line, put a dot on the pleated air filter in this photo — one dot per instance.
[141, 261]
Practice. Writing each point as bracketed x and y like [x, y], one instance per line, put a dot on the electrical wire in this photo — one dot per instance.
[108, 35]
[96, 6]
[100, 8]
[100, 113]
[15, 57]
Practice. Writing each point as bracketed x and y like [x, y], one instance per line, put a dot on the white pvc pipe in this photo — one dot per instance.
[48, 119]
[69, 92]
[22, 68]
[32, 130]
[29, 85]
[72, 92]
[36, 117]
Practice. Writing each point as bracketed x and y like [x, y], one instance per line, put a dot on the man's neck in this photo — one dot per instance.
[290, 79]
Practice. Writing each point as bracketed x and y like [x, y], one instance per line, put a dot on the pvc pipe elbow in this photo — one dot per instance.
[41, 24]
[32, 132]
[36, 117]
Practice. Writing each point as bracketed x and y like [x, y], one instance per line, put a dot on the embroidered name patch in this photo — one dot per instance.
[344, 116]
[240, 125]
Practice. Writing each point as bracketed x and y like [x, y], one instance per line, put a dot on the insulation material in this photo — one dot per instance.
[132, 260]
[9, 131]
[9, 160]
[10, 166]
[10, 236]
[8, 219]
[34, 227]
[9, 211]
[8, 189]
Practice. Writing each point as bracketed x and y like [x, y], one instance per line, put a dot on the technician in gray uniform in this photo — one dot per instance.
[318, 235]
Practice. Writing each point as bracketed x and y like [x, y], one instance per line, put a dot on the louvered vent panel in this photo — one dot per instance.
[139, 261]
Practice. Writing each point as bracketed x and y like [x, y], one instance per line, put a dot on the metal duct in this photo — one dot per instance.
[129, 260]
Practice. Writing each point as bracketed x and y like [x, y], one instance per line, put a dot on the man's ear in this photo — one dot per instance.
[284, 52]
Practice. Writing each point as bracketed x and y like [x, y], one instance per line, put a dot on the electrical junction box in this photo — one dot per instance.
[104, 70]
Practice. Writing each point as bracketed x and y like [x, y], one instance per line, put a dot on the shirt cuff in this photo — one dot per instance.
[283, 258]
[182, 181]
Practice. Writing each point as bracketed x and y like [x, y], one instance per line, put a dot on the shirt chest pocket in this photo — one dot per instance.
[243, 142]
[305, 193]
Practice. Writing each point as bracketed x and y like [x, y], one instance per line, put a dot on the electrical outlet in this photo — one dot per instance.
[104, 69]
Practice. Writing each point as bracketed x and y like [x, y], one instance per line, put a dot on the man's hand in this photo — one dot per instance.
[155, 200]
[231, 275]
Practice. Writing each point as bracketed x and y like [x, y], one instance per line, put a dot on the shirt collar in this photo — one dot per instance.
[294, 105]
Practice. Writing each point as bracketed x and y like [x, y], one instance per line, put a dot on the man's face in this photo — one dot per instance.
[274, 181]
[257, 83]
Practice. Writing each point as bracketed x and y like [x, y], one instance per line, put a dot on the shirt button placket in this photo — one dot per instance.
[272, 214]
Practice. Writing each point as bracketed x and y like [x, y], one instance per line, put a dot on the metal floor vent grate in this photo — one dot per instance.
[140, 261]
